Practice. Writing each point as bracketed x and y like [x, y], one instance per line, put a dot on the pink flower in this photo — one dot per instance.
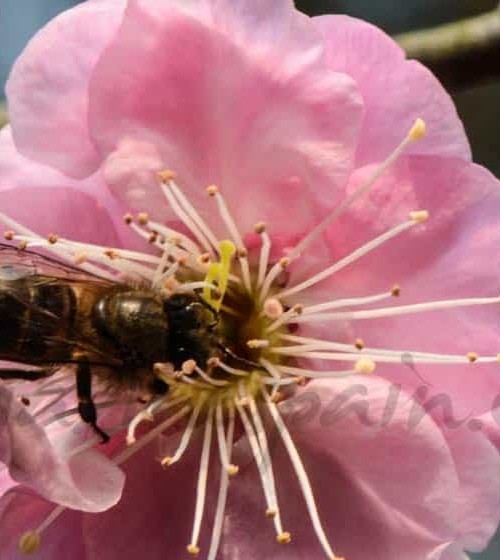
[313, 131]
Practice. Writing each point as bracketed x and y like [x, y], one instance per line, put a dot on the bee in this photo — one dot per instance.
[54, 315]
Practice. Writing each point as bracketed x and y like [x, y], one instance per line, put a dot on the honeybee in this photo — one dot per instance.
[54, 315]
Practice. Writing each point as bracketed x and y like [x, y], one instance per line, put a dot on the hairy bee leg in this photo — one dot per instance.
[24, 374]
[86, 406]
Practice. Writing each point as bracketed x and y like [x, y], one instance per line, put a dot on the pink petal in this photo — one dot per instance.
[360, 460]
[48, 87]
[395, 91]
[80, 210]
[88, 482]
[154, 515]
[261, 117]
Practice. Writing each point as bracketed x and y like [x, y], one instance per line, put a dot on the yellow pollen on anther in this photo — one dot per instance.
[22, 245]
[142, 218]
[212, 190]
[272, 308]
[419, 216]
[166, 462]
[193, 549]
[285, 262]
[233, 470]
[166, 175]
[364, 366]
[359, 343]
[9, 235]
[30, 542]
[277, 397]
[188, 367]
[396, 290]
[472, 357]
[418, 130]
[52, 238]
[112, 255]
[284, 538]
[257, 343]
[271, 513]
[259, 227]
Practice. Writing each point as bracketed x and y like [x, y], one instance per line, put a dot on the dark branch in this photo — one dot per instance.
[461, 53]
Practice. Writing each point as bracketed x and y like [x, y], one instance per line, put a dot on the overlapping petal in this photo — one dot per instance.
[48, 87]
[262, 119]
[395, 92]
[88, 482]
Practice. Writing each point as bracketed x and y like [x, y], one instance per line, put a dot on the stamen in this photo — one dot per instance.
[417, 132]
[306, 345]
[213, 192]
[301, 475]
[354, 256]
[201, 490]
[286, 317]
[184, 201]
[211, 380]
[225, 446]
[186, 436]
[231, 370]
[399, 310]
[265, 251]
[147, 414]
[186, 219]
[272, 308]
[265, 474]
[349, 302]
[275, 271]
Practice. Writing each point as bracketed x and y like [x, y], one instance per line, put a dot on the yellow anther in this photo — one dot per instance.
[273, 308]
[193, 549]
[271, 513]
[284, 538]
[259, 227]
[142, 218]
[420, 216]
[22, 245]
[188, 367]
[364, 366]
[9, 235]
[233, 470]
[472, 357]
[285, 262]
[30, 542]
[166, 462]
[218, 273]
[359, 343]
[212, 190]
[52, 238]
[257, 343]
[396, 290]
[418, 130]
[166, 175]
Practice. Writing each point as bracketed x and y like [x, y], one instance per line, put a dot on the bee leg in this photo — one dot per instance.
[86, 406]
[24, 374]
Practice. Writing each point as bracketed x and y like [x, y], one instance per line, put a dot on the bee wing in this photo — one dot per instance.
[46, 271]
[16, 263]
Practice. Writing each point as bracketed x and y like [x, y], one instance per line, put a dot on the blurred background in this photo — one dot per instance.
[473, 79]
